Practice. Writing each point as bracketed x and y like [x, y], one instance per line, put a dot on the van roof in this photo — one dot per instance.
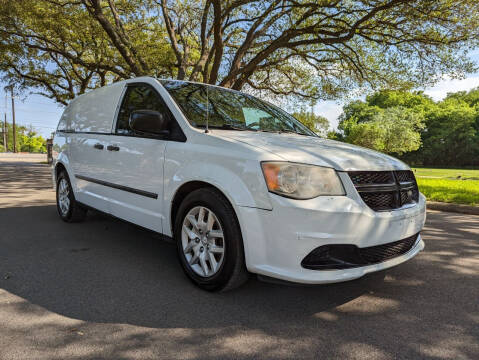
[136, 79]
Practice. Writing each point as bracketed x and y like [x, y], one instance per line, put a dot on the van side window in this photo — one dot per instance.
[138, 97]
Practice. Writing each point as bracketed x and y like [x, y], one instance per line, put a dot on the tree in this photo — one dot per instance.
[31, 142]
[297, 48]
[447, 131]
[28, 140]
[59, 50]
[317, 123]
[450, 137]
[19, 131]
[392, 130]
[361, 111]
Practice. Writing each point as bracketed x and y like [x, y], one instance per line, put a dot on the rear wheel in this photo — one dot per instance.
[209, 242]
[68, 209]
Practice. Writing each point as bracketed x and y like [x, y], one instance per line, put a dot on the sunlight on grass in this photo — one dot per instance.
[459, 186]
[452, 174]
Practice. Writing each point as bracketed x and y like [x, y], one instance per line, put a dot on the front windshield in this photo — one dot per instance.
[231, 110]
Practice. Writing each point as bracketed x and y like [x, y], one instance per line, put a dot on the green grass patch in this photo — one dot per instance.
[460, 186]
[453, 174]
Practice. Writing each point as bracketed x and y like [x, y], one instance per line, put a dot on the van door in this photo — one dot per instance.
[134, 163]
[88, 159]
[91, 119]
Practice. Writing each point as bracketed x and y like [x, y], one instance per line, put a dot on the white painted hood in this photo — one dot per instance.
[316, 151]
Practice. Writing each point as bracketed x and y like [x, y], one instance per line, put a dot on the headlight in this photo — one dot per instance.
[301, 181]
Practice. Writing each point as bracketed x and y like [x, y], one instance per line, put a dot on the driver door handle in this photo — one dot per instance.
[113, 148]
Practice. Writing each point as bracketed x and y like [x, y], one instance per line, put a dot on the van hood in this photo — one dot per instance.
[316, 151]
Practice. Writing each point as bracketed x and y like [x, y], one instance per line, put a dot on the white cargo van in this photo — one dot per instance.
[241, 186]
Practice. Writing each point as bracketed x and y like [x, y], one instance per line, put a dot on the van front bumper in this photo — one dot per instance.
[277, 241]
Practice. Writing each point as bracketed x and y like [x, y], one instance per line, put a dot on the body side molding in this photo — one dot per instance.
[119, 187]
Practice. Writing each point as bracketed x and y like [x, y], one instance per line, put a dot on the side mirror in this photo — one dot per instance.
[148, 122]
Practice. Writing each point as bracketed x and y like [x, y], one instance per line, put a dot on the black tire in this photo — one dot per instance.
[75, 212]
[232, 272]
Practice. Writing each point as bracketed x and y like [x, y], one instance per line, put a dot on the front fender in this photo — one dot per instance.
[239, 179]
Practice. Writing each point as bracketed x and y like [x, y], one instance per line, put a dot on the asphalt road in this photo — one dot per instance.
[107, 289]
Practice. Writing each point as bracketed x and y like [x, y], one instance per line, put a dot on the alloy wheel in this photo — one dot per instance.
[203, 241]
[63, 196]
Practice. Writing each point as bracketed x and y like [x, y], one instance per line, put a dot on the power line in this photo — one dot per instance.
[31, 110]
[37, 126]
[35, 102]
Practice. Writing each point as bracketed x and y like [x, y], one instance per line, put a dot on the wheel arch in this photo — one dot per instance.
[59, 167]
[62, 163]
[185, 189]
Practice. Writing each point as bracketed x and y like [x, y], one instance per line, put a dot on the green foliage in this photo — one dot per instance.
[317, 123]
[32, 142]
[334, 135]
[356, 112]
[19, 130]
[57, 49]
[450, 137]
[392, 130]
[27, 140]
[389, 98]
[299, 49]
[424, 132]
[370, 134]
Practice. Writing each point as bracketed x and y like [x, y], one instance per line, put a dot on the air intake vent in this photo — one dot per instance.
[344, 256]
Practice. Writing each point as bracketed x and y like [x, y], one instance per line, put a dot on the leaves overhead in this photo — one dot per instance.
[305, 49]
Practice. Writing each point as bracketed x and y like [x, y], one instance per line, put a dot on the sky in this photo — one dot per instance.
[44, 113]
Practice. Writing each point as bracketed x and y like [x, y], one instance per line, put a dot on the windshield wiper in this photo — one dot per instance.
[293, 132]
[224, 127]
[281, 131]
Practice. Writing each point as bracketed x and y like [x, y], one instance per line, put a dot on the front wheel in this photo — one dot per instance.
[68, 209]
[209, 242]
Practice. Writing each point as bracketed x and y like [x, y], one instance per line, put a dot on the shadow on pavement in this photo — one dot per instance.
[121, 293]
[105, 270]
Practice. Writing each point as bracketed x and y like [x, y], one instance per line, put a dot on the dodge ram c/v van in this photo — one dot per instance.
[241, 186]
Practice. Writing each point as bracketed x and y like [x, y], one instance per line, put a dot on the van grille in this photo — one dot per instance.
[386, 190]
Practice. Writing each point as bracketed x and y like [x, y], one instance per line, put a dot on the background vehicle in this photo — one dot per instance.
[239, 184]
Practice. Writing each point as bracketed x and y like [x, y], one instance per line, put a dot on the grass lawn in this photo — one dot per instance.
[459, 186]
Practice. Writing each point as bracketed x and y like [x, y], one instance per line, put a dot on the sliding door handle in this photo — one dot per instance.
[113, 148]
[98, 146]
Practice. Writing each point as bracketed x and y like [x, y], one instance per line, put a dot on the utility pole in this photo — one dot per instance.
[5, 144]
[5, 127]
[13, 123]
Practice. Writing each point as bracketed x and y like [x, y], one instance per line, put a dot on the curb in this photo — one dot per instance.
[456, 208]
